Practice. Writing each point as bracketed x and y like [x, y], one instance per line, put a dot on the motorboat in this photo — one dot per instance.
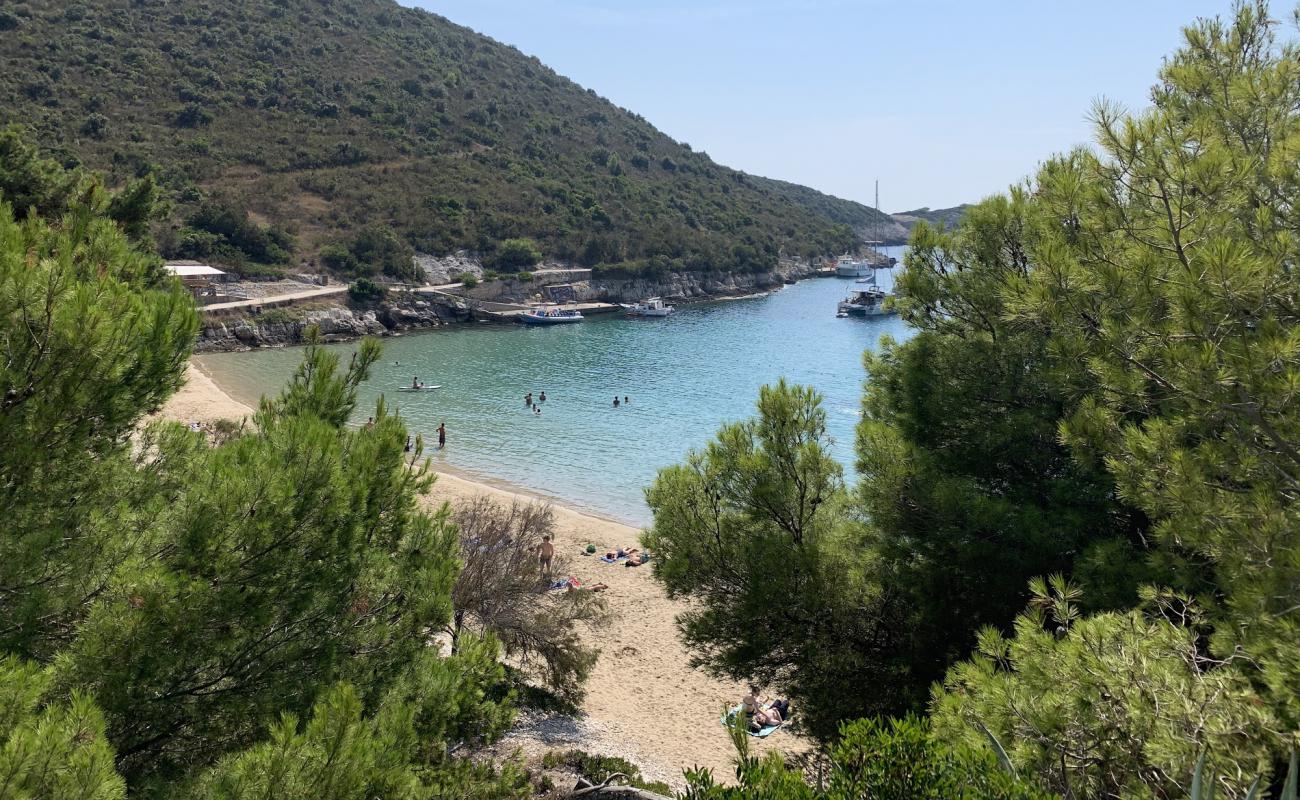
[550, 316]
[846, 266]
[868, 301]
[652, 307]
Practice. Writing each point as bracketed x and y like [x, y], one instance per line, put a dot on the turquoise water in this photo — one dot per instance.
[685, 376]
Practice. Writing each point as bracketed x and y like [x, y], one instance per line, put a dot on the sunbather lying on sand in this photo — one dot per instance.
[764, 711]
[621, 553]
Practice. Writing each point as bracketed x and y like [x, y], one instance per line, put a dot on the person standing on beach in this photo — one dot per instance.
[442, 435]
[545, 552]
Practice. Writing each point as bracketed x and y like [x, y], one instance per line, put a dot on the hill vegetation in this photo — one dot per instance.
[936, 217]
[279, 128]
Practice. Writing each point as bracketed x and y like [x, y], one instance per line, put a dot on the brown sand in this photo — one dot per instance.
[644, 702]
[201, 400]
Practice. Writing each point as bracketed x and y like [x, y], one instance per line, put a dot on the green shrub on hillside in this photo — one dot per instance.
[514, 253]
[466, 279]
[365, 290]
[223, 232]
[375, 250]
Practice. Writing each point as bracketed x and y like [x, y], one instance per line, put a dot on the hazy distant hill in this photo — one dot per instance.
[939, 217]
[323, 117]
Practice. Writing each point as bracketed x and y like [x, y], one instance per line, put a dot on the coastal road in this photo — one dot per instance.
[277, 299]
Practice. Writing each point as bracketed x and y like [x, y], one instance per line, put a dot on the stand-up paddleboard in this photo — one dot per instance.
[417, 388]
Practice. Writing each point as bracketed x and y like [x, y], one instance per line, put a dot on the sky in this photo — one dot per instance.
[942, 101]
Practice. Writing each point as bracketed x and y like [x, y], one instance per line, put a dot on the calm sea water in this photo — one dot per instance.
[685, 375]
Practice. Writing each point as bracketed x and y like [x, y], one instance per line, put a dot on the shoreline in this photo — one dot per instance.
[211, 387]
[644, 702]
[204, 347]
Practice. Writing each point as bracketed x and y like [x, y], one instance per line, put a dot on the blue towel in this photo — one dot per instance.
[609, 560]
[763, 733]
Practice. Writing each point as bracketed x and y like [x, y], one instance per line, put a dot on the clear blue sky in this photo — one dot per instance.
[945, 101]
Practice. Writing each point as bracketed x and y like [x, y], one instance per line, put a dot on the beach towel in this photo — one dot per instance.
[565, 583]
[609, 560]
[762, 733]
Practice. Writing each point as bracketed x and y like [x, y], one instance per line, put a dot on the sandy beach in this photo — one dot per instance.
[643, 671]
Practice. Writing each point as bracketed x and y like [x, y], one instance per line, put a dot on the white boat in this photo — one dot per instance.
[550, 316]
[846, 266]
[420, 388]
[652, 307]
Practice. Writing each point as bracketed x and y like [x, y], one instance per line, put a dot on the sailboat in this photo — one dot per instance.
[868, 298]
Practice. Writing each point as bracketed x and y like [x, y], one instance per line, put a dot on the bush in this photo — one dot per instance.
[275, 316]
[224, 231]
[192, 116]
[524, 277]
[515, 253]
[364, 290]
[597, 768]
[501, 592]
[467, 280]
[337, 258]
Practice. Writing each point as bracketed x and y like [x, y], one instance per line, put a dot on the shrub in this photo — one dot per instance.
[192, 116]
[524, 277]
[467, 279]
[275, 316]
[337, 258]
[597, 768]
[515, 253]
[364, 290]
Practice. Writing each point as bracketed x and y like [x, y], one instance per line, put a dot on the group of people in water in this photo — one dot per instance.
[535, 405]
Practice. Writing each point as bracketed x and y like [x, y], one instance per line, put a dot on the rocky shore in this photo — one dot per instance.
[337, 323]
[345, 320]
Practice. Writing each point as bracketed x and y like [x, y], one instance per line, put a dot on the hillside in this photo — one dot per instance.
[938, 217]
[279, 127]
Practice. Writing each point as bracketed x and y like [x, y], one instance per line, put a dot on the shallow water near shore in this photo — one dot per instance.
[685, 376]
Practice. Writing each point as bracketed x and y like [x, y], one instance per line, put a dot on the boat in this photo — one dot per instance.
[652, 307]
[849, 266]
[550, 316]
[846, 266]
[868, 301]
[417, 388]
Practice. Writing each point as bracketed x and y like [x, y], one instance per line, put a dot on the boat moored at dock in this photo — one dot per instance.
[550, 316]
[651, 307]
